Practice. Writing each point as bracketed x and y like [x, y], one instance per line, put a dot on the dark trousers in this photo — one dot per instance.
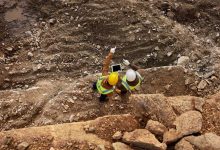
[103, 97]
[124, 92]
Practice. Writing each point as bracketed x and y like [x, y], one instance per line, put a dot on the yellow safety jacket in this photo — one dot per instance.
[127, 86]
[101, 89]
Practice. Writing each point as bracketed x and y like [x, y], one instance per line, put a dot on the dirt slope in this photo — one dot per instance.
[51, 52]
[69, 136]
[52, 102]
[72, 41]
[101, 132]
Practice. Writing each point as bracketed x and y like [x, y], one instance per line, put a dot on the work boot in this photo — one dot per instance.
[94, 86]
[103, 98]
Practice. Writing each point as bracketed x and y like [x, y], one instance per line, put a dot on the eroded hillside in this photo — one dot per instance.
[52, 51]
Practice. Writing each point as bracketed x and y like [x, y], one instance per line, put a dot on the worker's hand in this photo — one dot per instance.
[126, 62]
[118, 91]
[112, 50]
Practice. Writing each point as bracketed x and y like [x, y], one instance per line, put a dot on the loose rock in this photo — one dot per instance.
[100, 147]
[7, 140]
[144, 139]
[183, 61]
[117, 135]
[9, 49]
[182, 104]
[2, 58]
[156, 127]
[23, 146]
[183, 145]
[120, 146]
[169, 54]
[89, 128]
[28, 33]
[186, 124]
[156, 106]
[171, 136]
[157, 48]
[189, 123]
[30, 54]
[209, 74]
[72, 118]
[208, 141]
[202, 85]
[52, 21]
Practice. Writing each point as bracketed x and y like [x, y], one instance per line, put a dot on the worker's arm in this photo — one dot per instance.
[118, 86]
[132, 66]
[118, 91]
[107, 62]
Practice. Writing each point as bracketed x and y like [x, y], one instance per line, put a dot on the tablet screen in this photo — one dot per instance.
[116, 68]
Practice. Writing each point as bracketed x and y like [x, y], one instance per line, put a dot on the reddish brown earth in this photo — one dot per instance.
[51, 52]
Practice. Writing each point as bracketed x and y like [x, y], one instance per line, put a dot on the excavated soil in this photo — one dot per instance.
[52, 51]
[70, 39]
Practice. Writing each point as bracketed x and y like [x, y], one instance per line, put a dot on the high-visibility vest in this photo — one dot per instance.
[101, 89]
[127, 86]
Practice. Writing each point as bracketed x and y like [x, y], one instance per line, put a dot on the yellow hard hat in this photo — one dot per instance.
[113, 78]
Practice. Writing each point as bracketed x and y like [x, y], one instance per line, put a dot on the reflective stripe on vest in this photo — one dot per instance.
[100, 88]
[127, 86]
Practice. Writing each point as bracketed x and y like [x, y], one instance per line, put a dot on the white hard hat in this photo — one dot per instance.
[131, 75]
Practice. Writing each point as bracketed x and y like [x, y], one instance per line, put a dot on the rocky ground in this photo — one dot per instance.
[51, 52]
[178, 122]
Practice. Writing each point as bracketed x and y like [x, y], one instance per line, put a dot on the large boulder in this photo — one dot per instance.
[171, 136]
[183, 145]
[156, 127]
[154, 106]
[208, 141]
[120, 146]
[182, 104]
[186, 124]
[144, 139]
[80, 135]
[189, 123]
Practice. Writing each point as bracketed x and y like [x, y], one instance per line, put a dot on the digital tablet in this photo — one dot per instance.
[116, 68]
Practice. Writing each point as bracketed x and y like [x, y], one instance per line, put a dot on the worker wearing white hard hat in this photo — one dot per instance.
[131, 80]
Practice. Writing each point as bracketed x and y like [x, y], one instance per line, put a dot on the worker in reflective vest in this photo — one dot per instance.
[105, 84]
[131, 80]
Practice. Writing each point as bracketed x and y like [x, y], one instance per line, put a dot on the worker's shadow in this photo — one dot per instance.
[122, 97]
[126, 96]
